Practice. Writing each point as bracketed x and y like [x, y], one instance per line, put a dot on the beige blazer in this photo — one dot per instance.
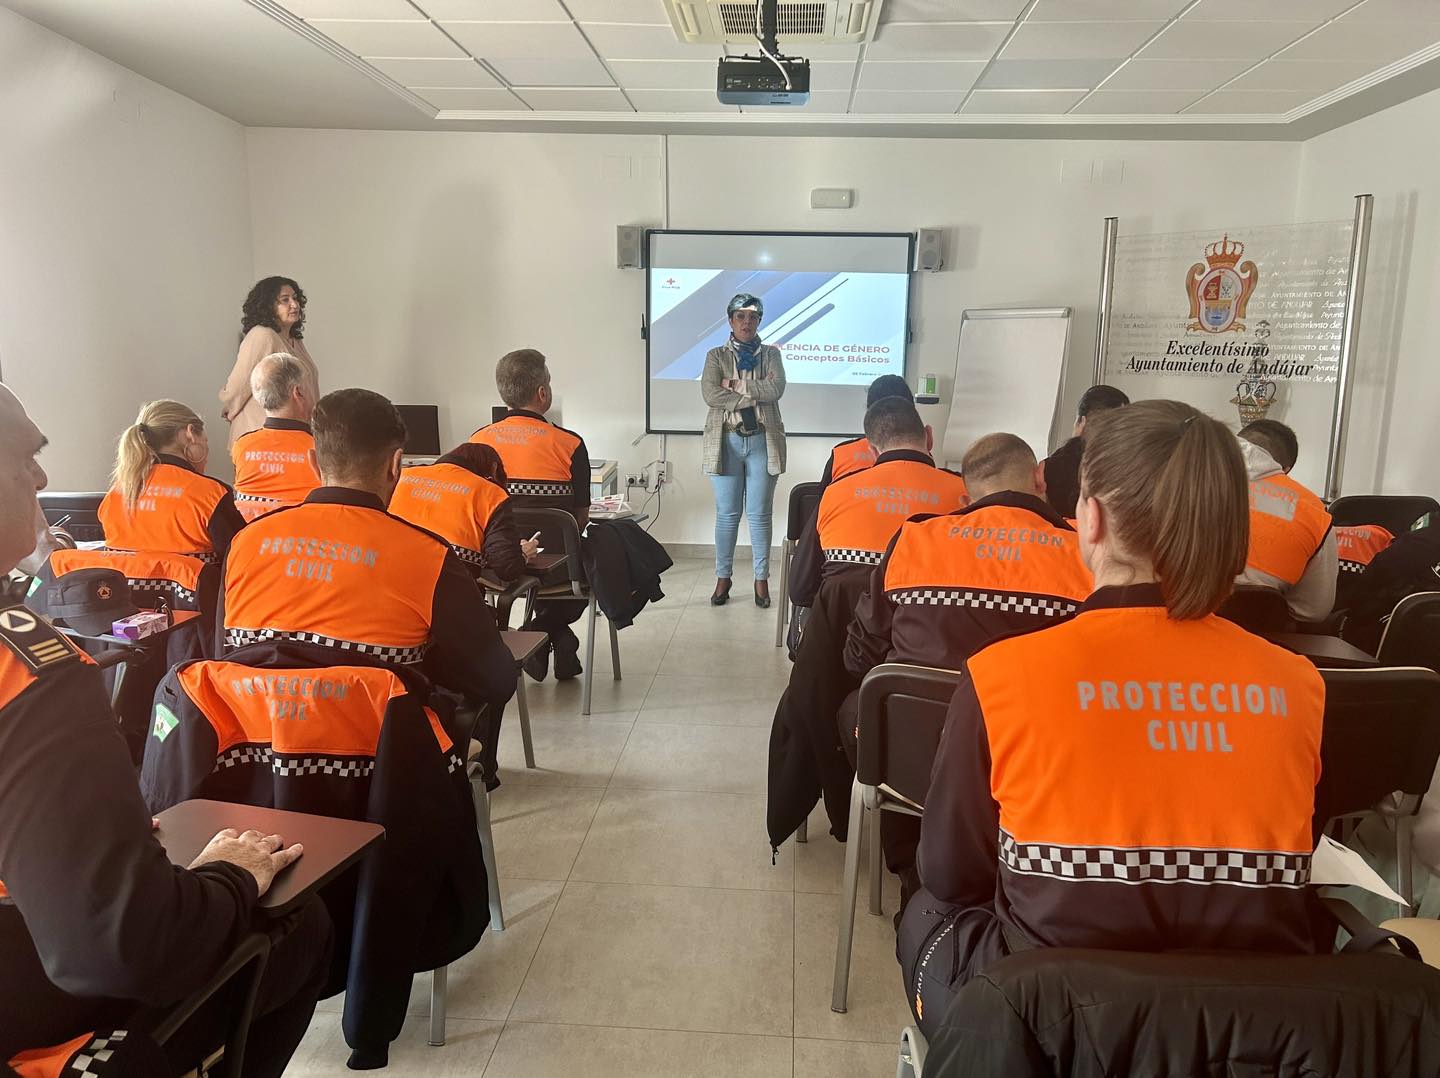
[236, 404]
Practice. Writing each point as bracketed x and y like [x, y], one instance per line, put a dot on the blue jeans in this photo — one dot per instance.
[743, 481]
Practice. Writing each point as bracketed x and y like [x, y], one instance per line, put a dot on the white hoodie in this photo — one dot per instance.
[1312, 597]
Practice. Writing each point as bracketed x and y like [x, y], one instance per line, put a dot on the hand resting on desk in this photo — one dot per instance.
[263, 856]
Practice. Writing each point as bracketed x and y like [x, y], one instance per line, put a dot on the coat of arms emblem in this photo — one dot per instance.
[1219, 289]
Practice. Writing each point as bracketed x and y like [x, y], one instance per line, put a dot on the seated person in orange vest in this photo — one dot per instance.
[161, 498]
[855, 453]
[1292, 546]
[99, 932]
[1356, 546]
[462, 499]
[548, 468]
[857, 518]
[275, 465]
[1062, 467]
[1141, 776]
[1409, 564]
[339, 575]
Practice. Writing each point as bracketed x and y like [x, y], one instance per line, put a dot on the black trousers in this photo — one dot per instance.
[940, 947]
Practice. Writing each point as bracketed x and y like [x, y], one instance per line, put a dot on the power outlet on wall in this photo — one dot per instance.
[633, 479]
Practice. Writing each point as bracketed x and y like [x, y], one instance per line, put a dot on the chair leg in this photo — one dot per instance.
[877, 867]
[802, 833]
[614, 648]
[782, 608]
[849, 882]
[1405, 863]
[522, 702]
[439, 981]
[587, 675]
[487, 850]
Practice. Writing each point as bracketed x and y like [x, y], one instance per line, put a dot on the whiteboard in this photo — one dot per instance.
[1009, 369]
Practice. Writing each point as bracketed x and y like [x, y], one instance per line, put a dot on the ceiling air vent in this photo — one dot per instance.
[802, 22]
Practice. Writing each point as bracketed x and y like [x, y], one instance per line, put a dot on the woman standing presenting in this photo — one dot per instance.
[744, 447]
[273, 320]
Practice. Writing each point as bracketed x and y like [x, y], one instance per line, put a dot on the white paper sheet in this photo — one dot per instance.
[1340, 866]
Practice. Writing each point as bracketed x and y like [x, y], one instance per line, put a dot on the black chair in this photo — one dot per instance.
[902, 714]
[78, 512]
[1397, 513]
[1379, 750]
[558, 529]
[804, 498]
[1412, 633]
[241, 974]
[1256, 609]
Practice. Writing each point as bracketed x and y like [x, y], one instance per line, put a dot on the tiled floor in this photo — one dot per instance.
[647, 931]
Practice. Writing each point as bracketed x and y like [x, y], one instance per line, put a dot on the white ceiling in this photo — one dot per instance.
[946, 64]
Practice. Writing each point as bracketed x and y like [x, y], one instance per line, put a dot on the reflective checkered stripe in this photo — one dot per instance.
[540, 488]
[1352, 567]
[172, 588]
[1155, 864]
[851, 556]
[209, 557]
[456, 762]
[983, 600]
[94, 1058]
[345, 767]
[256, 498]
[239, 638]
[470, 557]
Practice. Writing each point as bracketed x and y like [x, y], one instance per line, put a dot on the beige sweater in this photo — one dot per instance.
[236, 404]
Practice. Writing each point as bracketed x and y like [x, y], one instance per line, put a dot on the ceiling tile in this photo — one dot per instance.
[1135, 102]
[1077, 40]
[885, 103]
[1047, 74]
[1313, 12]
[825, 102]
[639, 12]
[810, 52]
[574, 72]
[1397, 10]
[387, 38]
[664, 74]
[471, 99]
[937, 40]
[1175, 74]
[1314, 76]
[1377, 43]
[464, 72]
[538, 40]
[950, 10]
[1200, 40]
[827, 77]
[495, 10]
[351, 9]
[1230, 102]
[620, 41]
[552, 100]
[1018, 102]
[678, 101]
[1114, 10]
[932, 76]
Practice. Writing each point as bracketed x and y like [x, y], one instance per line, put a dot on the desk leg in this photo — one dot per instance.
[523, 702]
[439, 981]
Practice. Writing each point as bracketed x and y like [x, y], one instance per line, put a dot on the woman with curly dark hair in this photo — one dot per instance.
[272, 320]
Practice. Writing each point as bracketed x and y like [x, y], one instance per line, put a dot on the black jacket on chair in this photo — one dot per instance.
[623, 563]
[1057, 1013]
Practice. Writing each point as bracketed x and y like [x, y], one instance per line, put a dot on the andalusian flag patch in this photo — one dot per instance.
[165, 721]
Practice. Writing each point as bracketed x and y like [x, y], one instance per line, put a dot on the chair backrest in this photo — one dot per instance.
[180, 581]
[804, 497]
[80, 511]
[1256, 609]
[558, 533]
[1412, 635]
[1394, 512]
[902, 715]
[1381, 736]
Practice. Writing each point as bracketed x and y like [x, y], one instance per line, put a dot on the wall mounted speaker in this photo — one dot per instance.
[629, 245]
[930, 249]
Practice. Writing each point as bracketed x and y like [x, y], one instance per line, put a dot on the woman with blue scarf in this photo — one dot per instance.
[744, 447]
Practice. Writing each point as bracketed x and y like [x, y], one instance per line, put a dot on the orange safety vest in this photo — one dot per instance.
[1357, 545]
[344, 576]
[1287, 526]
[860, 514]
[536, 453]
[56, 1061]
[172, 514]
[850, 457]
[451, 501]
[274, 467]
[1131, 748]
[175, 577]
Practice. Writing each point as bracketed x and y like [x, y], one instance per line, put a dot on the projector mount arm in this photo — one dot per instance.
[767, 24]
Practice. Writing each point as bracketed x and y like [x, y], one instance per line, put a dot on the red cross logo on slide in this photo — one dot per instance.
[670, 282]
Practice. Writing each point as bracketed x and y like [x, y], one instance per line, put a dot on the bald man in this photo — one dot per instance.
[275, 464]
[100, 931]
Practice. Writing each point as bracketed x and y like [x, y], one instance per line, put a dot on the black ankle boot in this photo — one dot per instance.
[722, 592]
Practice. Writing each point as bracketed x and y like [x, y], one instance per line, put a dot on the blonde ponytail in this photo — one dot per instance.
[1174, 486]
[156, 430]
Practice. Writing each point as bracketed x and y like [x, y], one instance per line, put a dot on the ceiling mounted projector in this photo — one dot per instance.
[767, 79]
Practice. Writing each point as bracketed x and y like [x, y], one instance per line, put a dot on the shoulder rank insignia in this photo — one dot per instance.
[33, 640]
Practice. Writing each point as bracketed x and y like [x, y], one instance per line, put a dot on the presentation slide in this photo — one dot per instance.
[836, 305]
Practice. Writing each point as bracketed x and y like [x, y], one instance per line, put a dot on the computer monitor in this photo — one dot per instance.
[422, 429]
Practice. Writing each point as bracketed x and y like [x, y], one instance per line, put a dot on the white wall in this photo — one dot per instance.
[124, 246]
[1394, 155]
[427, 256]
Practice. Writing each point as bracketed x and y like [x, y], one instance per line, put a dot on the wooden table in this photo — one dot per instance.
[1326, 652]
[177, 619]
[541, 564]
[331, 845]
[524, 643]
